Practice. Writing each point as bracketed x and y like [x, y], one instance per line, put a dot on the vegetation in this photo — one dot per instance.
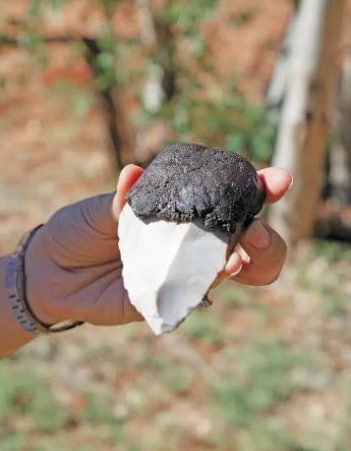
[262, 369]
[192, 109]
[229, 378]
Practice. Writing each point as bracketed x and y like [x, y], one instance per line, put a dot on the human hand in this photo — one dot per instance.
[261, 253]
[74, 269]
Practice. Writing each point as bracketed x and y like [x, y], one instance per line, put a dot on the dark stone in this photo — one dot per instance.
[186, 182]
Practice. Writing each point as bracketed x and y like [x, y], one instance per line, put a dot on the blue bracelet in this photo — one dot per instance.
[16, 292]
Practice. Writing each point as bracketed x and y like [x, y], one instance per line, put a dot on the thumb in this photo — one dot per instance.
[129, 175]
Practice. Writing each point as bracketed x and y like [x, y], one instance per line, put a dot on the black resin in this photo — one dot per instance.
[186, 182]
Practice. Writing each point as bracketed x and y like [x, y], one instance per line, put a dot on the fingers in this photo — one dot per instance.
[276, 181]
[263, 253]
[127, 178]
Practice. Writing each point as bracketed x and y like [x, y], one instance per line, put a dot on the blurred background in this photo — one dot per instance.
[87, 86]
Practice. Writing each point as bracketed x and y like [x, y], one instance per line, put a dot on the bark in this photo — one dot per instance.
[166, 58]
[303, 132]
[108, 104]
[340, 158]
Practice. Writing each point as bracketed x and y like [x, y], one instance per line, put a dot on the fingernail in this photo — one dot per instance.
[234, 261]
[235, 273]
[258, 236]
[292, 181]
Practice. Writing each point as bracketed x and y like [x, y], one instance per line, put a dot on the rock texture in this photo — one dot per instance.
[182, 219]
[190, 181]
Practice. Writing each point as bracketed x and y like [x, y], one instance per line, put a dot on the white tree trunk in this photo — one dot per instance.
[152, 94]
[304, 127]
[277, 87]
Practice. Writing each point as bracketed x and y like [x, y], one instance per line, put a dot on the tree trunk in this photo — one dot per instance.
[160, 84]
[303, 132]
[340, 158]
[276, 90]
[108, 105]
[152, 94]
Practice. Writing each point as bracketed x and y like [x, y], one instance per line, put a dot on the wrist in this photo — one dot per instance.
[37, 280]
[42, 275]
[13, 336]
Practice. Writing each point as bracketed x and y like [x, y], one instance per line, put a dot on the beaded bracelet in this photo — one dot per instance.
[16, 291]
